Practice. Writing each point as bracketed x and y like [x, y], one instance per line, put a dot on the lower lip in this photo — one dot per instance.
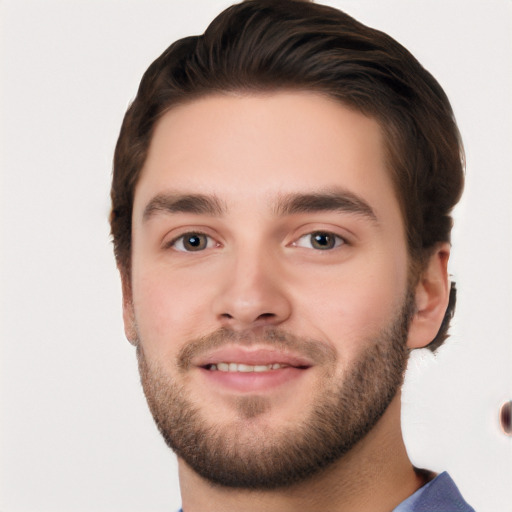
[246, 382]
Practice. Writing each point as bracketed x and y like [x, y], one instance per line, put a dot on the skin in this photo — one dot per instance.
[259, 269]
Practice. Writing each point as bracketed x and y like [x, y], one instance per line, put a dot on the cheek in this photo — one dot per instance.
[168, 311]
[353, 305]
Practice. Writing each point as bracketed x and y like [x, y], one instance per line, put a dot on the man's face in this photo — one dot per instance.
[269, 291]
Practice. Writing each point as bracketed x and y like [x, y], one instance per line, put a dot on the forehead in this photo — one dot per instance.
[246, 149]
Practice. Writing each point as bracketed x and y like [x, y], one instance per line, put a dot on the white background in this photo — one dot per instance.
[75, 433]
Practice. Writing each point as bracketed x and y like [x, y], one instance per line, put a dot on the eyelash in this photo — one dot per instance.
[190, 234]
[334, 241]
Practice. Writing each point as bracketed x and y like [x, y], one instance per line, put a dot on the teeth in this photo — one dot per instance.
[245, 368]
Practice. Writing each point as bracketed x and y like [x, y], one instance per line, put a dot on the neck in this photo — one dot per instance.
[376, 475]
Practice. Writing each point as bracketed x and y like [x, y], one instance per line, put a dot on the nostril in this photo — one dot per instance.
[266, 319]
[263, 318]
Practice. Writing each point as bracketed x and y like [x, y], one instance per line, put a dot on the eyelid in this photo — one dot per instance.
[171, 244]
[339, 239]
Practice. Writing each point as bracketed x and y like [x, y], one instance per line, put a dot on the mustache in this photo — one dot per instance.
[318, 352]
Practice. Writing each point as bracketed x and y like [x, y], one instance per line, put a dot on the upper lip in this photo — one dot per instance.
[251, 356]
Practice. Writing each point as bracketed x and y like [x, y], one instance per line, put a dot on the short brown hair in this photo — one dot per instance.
[269, 45]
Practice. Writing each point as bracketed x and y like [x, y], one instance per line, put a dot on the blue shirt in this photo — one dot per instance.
[439, 495]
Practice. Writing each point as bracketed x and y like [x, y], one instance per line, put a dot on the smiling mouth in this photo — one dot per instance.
[236, 369]
[248, 368]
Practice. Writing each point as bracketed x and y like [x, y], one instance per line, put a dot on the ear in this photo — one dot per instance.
[431, 297]
[128, 311]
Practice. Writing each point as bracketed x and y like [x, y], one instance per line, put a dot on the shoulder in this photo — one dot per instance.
[439, 495]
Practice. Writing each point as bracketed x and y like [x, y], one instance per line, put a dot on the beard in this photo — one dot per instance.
[265, 458]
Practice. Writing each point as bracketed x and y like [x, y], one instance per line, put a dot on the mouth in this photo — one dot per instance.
[233, 358]
[248, 368]
[259, 369]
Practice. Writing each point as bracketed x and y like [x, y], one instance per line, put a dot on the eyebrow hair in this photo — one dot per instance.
[183, 203]
[339, 200]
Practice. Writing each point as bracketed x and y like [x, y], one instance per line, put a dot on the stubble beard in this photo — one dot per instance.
[232, 455]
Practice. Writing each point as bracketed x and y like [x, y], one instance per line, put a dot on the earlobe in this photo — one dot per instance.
[128, 312]
[432, 294]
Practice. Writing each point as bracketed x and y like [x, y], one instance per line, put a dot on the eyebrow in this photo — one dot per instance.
[338, 201]
[289, 204]
[198, 204]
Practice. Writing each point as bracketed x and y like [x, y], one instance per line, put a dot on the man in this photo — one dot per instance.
[281, 199]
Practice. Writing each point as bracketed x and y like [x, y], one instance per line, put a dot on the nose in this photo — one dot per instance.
[252, 294]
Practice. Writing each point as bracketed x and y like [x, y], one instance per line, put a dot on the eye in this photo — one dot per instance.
[192, 242]
[320, 240]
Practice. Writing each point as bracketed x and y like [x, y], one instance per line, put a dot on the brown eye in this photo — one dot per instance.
[320, 240]
[323, 241]
[192, 242]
